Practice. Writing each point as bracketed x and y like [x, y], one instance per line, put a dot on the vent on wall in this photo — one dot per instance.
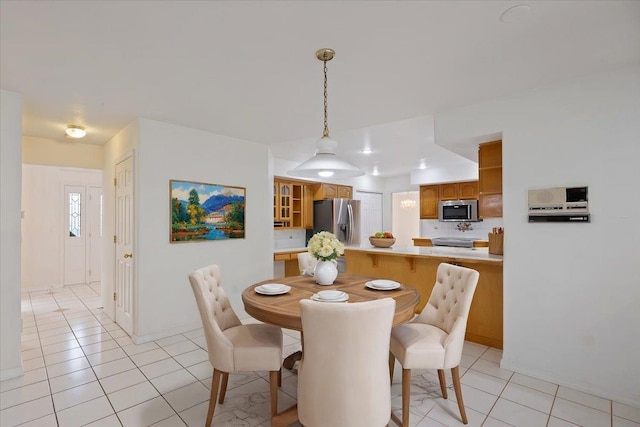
[560, 204]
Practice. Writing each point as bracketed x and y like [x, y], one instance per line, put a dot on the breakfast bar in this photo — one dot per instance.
[416, 266]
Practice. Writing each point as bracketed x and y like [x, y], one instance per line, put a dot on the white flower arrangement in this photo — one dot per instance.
[325, 246]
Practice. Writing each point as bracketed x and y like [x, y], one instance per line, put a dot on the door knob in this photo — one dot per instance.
[128, 255]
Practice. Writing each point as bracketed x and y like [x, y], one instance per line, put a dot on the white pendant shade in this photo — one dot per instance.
[325, 163]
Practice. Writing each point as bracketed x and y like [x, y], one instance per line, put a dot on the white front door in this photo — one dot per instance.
[124, 245]
[75, 232]
[95, 234]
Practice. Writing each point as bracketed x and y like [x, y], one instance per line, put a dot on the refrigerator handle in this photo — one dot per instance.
[350, 230]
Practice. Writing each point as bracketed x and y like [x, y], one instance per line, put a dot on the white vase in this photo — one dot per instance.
[326, 272]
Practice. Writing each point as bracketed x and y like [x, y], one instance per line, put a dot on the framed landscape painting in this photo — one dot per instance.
[201, 212]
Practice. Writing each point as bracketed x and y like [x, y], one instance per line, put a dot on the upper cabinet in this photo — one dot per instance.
[292, 204]
[430, 195]
[459, 190]
[332, 191]
[490, 179]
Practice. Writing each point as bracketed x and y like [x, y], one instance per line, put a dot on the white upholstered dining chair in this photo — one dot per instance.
[434, 339]
[342, 377]
[306, 263]
[232, 346]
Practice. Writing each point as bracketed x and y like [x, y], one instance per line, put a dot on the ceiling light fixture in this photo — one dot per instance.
[76, 132]
[422, 165]
[408, 204]
[325, 163]
[367, 151]
[375, 171]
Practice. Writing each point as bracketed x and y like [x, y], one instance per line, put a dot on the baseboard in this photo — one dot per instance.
[141, 339]
[8, 374]
[631, 400]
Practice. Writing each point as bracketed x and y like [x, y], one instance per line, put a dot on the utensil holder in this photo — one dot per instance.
[496, 243]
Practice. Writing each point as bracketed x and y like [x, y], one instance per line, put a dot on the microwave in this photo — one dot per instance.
[458, 210]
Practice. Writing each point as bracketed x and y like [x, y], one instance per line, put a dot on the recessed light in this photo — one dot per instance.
[514, 14]
[367, 151]
[422, 165]
[375, 171]
[76, 132]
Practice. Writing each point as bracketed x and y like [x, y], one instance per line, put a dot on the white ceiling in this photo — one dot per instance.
[248, 69]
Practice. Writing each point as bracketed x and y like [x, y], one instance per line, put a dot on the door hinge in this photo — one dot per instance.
[115, 181]
[114, 296]
[114, 238]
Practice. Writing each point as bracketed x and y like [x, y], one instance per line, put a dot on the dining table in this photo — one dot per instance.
[284, 309]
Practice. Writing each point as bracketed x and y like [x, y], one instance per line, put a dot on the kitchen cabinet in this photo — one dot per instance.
[429, 197]
[282, 203]
[331, 191]
[459, 190]
[490, 179]
[292, 204]
[290, 259]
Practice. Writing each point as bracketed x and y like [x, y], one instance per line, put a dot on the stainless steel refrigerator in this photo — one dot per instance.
[339, 216]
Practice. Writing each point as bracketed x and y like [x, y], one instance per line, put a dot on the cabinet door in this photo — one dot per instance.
[285, 194]
[307, 207]
[344, 192]
[325, 191]
[490, 206]
[468, 190]
[449, 191]
[490, 154]
[429, 195]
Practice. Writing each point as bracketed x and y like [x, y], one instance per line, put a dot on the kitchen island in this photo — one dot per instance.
[417, 266]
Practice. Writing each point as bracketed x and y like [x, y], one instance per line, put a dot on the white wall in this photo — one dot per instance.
[405, 220]
[69, 153]
[165, 301]
[43, 222]
[571, 291]
[10, 181]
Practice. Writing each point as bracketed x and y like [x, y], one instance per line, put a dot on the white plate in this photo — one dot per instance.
[330, 295]
[272, 289]
[391, 285]
[344, 298]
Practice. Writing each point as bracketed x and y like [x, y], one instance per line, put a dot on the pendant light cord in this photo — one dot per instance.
[326, 121]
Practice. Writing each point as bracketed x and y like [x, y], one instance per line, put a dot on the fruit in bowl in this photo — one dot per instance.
[382, 239]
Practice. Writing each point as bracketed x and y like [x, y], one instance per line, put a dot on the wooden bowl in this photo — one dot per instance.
[382, 242]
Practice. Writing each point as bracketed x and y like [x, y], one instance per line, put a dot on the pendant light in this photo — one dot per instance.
[325, 163]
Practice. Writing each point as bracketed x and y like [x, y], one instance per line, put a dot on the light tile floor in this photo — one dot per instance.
[82, 369]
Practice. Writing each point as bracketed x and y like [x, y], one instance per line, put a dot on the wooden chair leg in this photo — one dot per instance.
[443, 383]
[273, 386]
[392, 363]
[406, 396]
[215, 383]
[456, 386]
[223, 387]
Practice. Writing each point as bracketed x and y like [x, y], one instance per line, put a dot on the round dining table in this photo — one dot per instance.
[284, 310]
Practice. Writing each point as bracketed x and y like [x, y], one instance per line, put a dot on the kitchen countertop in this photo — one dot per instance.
[285, 250]
[481, 254]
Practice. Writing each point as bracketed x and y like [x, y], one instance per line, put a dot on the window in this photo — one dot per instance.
[74, 214]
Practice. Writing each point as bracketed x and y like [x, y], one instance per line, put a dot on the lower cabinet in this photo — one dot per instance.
[290, 262]
[484, 325]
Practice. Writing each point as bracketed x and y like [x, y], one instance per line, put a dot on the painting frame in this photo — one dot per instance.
[204, 212]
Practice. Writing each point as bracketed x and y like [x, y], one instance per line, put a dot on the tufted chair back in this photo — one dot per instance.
[449, 304]
[217, 315]
[342, 377]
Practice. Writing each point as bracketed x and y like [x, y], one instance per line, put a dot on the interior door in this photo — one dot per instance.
[75, 232]
[370, 213]
[124, 245]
